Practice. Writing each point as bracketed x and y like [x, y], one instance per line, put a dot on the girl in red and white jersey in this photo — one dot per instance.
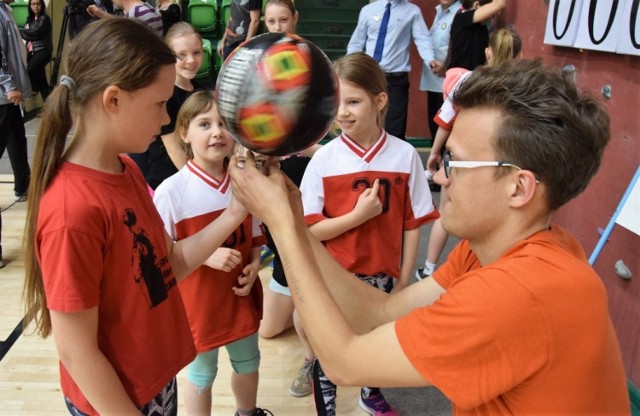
[223, 297]
[365, 196]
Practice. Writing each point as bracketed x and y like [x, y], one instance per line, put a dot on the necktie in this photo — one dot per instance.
[377, 53]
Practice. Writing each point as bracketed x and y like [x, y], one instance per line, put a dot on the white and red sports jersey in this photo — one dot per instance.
[447, 114]
[336, 176]
[187, 202]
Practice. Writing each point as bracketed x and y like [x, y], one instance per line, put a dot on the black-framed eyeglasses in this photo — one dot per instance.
[470, 164]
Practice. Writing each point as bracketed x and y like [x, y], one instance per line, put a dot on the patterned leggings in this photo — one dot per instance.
[324, 391]
[164, 404]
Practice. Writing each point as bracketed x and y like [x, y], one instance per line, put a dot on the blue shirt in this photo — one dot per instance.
[405, 22]
[440, 38]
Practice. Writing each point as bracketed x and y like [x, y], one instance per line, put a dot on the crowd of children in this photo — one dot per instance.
[176, 276]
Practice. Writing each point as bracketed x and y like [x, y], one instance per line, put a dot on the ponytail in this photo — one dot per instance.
[505, 44]
[50, 143]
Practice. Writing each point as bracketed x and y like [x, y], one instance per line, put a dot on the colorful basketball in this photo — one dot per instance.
[277, 94]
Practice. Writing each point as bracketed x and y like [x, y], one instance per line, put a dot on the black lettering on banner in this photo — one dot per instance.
[567, 23]
[592, 15]
[633, 21]
[384, 184]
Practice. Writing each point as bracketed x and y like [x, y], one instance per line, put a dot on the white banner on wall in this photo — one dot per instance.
[603, 25]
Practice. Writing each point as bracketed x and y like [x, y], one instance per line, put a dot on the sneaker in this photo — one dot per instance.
[301, 385]
[20, 197]
[377, 405]
[421, 274]
[258, 412]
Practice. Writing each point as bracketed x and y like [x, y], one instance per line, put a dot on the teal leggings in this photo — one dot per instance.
[243, 354]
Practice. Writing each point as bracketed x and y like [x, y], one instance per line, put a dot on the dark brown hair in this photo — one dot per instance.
[548, 126]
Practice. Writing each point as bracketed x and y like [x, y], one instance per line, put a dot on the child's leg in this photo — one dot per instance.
[438, 237]
[278, 310]
[201, 373]
[302, 384]
[245, 360]
[371, 399]
[308, 350]
[324, 392]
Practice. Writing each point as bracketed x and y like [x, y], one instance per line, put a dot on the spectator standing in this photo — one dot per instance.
[430, 81]
[134, 9]
[15, 87]
[384, 31]
[37, 33]
[170, 12]
[243, 24]
[469, 34]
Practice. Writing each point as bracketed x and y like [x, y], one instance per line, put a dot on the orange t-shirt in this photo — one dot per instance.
[527, 334]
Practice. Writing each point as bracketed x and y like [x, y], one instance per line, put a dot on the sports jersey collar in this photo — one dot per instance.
[221, 186]
[366, 154]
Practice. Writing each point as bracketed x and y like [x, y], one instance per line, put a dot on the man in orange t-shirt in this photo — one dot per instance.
[516, 321]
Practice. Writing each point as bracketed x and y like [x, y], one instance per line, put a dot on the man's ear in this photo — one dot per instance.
[523, 187]
[111, 97]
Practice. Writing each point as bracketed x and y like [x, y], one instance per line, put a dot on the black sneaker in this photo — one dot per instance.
[420, 274]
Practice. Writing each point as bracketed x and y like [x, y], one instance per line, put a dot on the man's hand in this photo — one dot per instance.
[15, 96]
[225, 259]
[272, 198]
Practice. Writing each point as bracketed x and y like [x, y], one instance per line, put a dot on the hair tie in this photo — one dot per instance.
[68, 82]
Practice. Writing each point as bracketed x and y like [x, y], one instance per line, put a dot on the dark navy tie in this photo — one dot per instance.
[377, 53]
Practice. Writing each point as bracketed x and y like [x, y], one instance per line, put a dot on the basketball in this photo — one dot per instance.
[277, 94]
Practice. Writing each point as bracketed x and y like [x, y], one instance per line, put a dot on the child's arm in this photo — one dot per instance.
[367, 207]
[249, 274]
[435, 157]
[188, 254]
[488, 10]
[410, 241]
[254, 23]
[75, 335]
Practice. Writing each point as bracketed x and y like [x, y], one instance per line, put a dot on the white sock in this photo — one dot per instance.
[429, 268]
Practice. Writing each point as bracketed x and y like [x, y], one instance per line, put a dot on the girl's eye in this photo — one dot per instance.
[197, 53]
[205, 124]
[181, 56]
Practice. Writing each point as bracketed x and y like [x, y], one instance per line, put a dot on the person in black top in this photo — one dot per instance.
[469, 34]
[37, 33]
